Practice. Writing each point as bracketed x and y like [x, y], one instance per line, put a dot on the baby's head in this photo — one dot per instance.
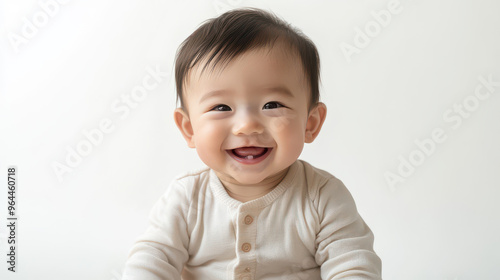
[248, 86]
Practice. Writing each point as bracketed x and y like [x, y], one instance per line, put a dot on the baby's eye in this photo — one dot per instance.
[272, 105]
[221, 107]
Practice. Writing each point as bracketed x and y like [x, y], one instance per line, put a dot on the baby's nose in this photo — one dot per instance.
[247, 123]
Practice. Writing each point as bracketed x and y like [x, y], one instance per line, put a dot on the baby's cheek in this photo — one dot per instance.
[287, 126]
[280, 120]
[279, 124]
[291, 140]
[209, 139]
[210, 132]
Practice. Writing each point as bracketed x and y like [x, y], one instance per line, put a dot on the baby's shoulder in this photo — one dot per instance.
[186, 186]
[193, 178]
[320, 181]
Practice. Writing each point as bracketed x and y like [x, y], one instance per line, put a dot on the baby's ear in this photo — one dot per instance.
[184, 124]
[314, 122]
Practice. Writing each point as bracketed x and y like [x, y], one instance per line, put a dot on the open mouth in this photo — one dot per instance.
[249, 155]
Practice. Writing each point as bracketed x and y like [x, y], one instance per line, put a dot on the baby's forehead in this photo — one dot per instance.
[278, 58]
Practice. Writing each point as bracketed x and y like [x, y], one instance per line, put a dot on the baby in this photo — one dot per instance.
[249, 99]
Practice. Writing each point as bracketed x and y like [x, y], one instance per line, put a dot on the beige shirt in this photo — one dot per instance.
[307, 227]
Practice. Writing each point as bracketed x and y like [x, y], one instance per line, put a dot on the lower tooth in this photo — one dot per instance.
[249, 157]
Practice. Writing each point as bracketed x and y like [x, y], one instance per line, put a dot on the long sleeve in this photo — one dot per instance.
[161, 252]
[344, 242]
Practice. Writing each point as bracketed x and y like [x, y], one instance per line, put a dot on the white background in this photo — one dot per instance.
[63, 78]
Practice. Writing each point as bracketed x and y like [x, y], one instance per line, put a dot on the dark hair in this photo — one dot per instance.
[240, 30]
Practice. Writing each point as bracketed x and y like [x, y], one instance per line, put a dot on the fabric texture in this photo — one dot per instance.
[307, 227]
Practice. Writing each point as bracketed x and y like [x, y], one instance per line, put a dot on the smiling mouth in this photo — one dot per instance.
[249, 155]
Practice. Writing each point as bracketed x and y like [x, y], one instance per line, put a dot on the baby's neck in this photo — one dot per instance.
[245, 195]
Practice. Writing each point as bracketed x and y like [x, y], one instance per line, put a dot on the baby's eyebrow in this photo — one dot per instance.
[212, 94]
[278, 89]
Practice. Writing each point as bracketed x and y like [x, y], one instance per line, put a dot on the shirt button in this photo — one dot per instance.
[248, 219]
[247, 269]
[246, 247]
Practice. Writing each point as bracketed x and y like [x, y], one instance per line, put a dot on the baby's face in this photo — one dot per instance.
[248, 122]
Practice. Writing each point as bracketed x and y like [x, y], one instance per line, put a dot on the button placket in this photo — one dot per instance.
[246, 247]
[246, 237]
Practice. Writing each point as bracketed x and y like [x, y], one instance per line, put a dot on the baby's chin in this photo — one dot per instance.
[259, 179]
[243, 178]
